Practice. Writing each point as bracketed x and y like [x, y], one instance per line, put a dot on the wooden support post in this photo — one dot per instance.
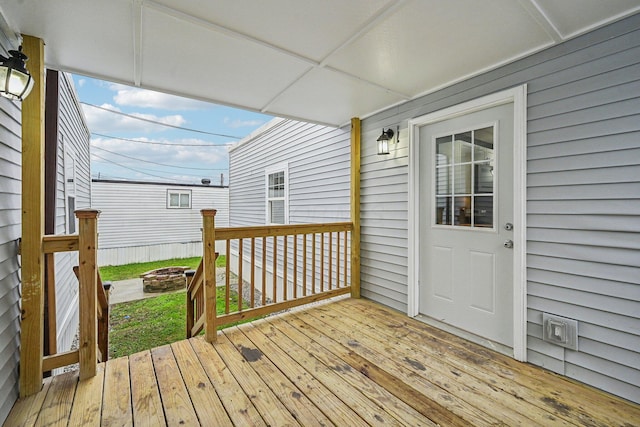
[32, 328]
[88, 293]
[209, 270]
[355, 207]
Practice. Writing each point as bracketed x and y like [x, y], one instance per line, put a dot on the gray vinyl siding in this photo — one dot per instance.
[10, 230]
[134, 214]
[583, 200]
[73, 143]
[318, 159]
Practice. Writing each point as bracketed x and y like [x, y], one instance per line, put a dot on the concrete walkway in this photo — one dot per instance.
[131, 290]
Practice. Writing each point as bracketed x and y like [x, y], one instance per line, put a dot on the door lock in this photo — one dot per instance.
[508, 244]
[508, 226]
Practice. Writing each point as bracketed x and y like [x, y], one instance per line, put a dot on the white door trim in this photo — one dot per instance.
[518, 96]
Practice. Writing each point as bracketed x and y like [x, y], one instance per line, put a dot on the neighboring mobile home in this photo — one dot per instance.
[150, 221]
[69, 188]
[568, 118]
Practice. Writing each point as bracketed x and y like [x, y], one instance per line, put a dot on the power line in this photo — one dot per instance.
[159, 123]
[161, 143]
[160, 164]
[135, 170]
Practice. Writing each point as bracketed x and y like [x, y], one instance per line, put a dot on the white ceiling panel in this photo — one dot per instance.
[466, 36]
[207, 64]
[333, 96]
[572, 17]
[319, 60]
[309, 28]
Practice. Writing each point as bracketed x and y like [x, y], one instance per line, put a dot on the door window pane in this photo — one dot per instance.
[444, 149]
[462, 148]
[443, 210]
[464, 178]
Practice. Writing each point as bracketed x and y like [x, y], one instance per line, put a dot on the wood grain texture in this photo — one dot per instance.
[346, 362]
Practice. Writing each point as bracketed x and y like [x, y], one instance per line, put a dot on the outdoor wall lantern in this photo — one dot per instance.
[384, 140]
[15, 80]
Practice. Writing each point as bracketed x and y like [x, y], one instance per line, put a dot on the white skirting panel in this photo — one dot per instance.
[134, 254]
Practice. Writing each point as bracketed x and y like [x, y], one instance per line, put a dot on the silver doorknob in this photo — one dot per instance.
[508, 226]
[508, 244]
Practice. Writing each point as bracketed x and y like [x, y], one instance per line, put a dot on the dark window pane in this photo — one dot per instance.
[462, 211]
[443, 210]
[483, 211]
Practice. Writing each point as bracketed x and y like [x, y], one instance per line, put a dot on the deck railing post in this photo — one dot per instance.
[209, 271]
[88, 293]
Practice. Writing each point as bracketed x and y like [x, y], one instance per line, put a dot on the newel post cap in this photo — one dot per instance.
[208, 212]
[87, 213]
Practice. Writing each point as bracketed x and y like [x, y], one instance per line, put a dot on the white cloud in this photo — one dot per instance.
[102, 121]
[237, 123]
[81, 82]
[136, 97]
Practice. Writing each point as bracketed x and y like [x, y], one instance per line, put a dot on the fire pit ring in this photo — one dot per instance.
[164, 279]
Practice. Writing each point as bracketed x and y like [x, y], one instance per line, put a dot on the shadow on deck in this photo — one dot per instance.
[345, 363]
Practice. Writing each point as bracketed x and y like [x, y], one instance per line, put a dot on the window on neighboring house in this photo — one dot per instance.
[70, 188]
[178, 199]
[277, 195]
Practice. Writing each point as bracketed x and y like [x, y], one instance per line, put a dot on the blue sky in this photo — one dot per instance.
[123, 147]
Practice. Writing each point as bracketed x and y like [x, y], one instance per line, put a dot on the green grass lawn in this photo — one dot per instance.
[152, 322]
[131, 271]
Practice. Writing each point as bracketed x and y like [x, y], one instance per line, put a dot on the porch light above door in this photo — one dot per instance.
[15, 80]
[383, 141]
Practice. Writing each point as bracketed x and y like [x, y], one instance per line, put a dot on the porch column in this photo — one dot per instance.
[209, 271]
[355, 207]
[31, 327]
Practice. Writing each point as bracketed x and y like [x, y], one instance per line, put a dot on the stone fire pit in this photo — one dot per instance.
[164, 279]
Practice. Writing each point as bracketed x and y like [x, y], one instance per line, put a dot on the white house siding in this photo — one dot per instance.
[583, 192]
[73, 145]
[318, 163]
[10, 230]
[135, 224]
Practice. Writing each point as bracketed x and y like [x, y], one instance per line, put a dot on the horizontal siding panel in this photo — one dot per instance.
[606, 175]
[600, 302]
[606, 383]
[601, 112]
[624, 223]
[585, 268]
[585, 284]
[617, 126]
[612, 158]
[626, 190]
[567, 95]
[603, 351]
[615, 256]
[588, 238]
[586, 146]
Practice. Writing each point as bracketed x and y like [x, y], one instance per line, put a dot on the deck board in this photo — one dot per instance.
[347, 362]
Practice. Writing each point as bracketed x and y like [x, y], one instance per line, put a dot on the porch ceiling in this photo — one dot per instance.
[321, 61]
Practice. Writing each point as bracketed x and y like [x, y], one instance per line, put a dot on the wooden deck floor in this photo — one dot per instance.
[347, 363]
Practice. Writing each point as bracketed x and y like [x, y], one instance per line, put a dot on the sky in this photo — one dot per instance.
[124, 147]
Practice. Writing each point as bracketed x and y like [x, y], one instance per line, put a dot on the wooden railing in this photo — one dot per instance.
[290, 265]
[93, 302]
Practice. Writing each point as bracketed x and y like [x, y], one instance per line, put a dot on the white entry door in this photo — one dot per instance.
[465, 222]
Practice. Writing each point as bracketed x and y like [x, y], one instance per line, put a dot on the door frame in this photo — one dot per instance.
[517, 96]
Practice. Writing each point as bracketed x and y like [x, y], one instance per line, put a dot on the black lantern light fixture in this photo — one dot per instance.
[15, 80]
[384, 140]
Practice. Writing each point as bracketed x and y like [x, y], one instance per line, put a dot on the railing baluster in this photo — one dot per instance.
[275, 268]
[285, 284]
[264, 271]
[304, 265]
[295, 266]
[337, 260]
[240, 263]
[313, 265]
[227, 287]
[346, 258]
[321, 262]
[330, 258]
[253, 272]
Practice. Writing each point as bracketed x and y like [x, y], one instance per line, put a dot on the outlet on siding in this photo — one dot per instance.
[560, 331]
